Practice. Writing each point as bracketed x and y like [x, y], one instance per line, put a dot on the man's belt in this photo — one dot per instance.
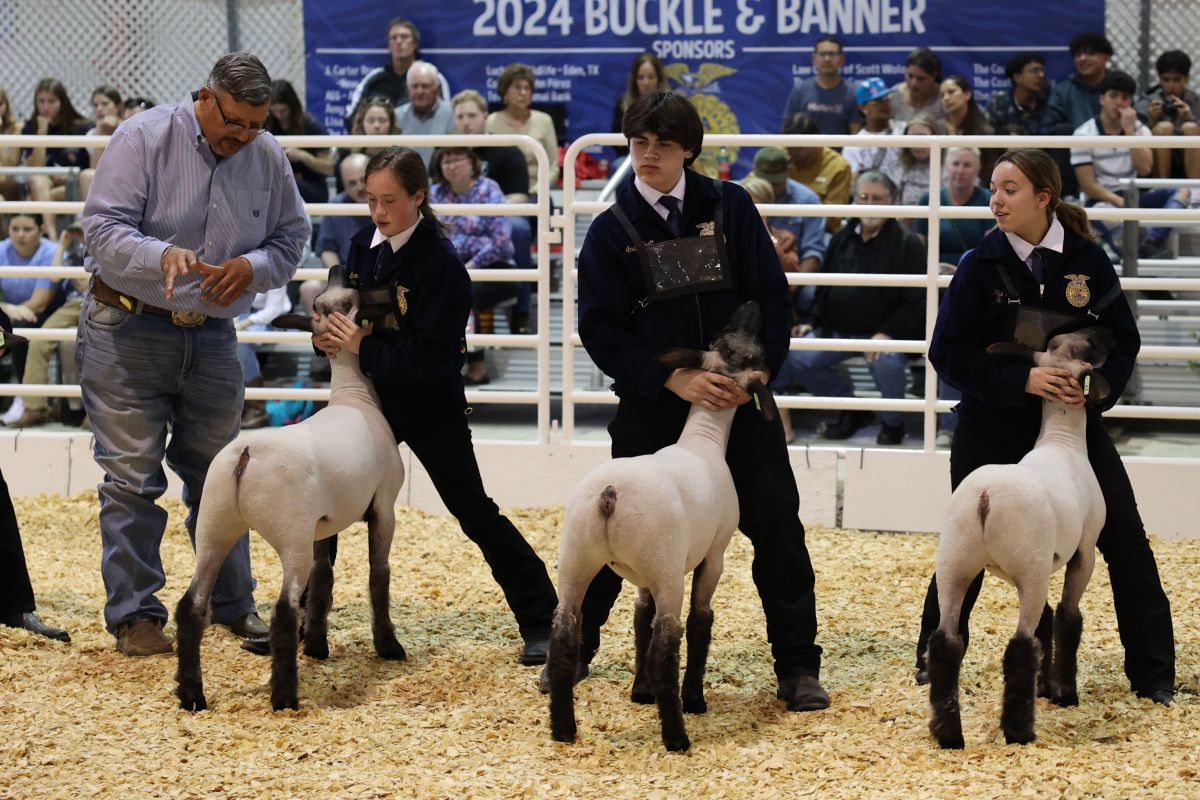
[112, 298]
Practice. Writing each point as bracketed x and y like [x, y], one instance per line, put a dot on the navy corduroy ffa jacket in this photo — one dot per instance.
[975, 312]
[623, 336]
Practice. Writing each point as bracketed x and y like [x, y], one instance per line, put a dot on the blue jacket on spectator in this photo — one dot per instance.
[336, 232]
[623, 336]
[1072, 103]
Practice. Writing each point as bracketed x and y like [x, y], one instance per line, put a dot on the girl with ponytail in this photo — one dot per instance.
[1043, 256]
[415, 297]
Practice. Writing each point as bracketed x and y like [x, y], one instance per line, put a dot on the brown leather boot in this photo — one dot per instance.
[143, 637]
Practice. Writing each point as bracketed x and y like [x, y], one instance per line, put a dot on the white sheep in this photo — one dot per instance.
[653, 519]
[1022, 522]
[297, 486]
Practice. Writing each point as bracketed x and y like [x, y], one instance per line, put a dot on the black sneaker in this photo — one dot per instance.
[890, 434]
[848, 422]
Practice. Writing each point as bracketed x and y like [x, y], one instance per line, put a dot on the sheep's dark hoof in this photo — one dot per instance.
[678, 744]
[694, 705]
[951, 741]
[191, 699]
[565, 735]
[1019, 737]
[318, 650]
[1065, 698]
[390, 649]
[642, 694]
[281, 701]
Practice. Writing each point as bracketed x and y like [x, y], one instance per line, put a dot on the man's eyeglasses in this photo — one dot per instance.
[827, 53]
[878, 199]
[253, 130]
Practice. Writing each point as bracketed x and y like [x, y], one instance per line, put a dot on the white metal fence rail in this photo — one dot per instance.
[931, 281]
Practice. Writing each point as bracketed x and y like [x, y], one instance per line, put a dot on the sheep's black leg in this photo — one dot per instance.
[663, 665]
[284, 638]
[320, 599]
[699, 635]
[560, 666]
[944, 659]
[1020, 678]
[1045, 637]
[643, 617]
[1068, 629]
[380, 527]
[191, 622]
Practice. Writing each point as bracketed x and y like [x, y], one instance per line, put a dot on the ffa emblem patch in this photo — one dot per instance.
[1078, 293]
[402, 299]
[707, 228]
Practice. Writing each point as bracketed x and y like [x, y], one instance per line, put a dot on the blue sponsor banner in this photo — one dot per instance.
[737, 59]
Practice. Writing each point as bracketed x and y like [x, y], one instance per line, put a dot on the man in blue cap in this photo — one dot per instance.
[874, 101]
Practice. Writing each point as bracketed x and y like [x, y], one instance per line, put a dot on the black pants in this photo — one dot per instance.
[443, 444]
[16, 593]
[770, 518]
[1143, 611]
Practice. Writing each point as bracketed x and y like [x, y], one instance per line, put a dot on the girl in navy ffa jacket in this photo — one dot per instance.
[665, 267]
[414, 355]
[1044, 255]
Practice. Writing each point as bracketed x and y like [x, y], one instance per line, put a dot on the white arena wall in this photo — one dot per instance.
[522, 475]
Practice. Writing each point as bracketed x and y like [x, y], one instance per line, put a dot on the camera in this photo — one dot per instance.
[1169, 109]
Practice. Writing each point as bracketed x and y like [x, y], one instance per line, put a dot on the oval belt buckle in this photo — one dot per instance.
[188, 319]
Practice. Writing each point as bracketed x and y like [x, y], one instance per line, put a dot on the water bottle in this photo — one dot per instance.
[724, 169]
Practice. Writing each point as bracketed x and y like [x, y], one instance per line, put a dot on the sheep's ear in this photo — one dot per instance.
[9, 340]
[681, 358]
[763, 399]
[1012, 349]
[1095, 387]
[746, 317]
[293, 322]
[337, 276]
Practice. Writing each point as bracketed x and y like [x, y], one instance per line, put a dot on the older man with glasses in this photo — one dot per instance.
[867, 244]
[190, 215]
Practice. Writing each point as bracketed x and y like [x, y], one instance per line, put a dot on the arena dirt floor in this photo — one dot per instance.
[461, 719]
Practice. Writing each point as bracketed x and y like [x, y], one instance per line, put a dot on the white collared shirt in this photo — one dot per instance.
[1053, 240]
[397, 241]
[651, 194]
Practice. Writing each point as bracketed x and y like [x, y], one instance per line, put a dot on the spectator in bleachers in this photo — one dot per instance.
[956, 237]
[375, 116]
[136, 105]
[9, 156]
[333, 243]
[106, 116]
[310, 165]
[27, 301]
[874, 101]
[874, 245]
[1100, 170]
[390, 80]
[425, 113]
[914, 161]
[265, 307]
[761, 191]
[646, 74]
[771, 165]
[481, 242]
[69, 253]
[1172, 109]
[506, 166]
[918, 94]
[54, 115]
[964, 117]
[1077, 99]
[821, 169]
[516, 86]
[1021, 111]
[826, 98]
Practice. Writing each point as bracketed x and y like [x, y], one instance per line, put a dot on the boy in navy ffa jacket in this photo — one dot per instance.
[665, 267]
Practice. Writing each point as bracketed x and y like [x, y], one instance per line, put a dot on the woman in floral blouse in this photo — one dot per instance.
[482, 242]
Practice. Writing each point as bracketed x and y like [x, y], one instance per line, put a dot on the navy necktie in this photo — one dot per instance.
[1035, 264]
[674, 218]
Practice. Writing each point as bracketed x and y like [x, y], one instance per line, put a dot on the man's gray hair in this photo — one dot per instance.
[418, 67]
[243, 76]
[876, 176]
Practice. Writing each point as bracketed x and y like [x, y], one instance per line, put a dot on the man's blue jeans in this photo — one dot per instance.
[143, 376]
[814, 370]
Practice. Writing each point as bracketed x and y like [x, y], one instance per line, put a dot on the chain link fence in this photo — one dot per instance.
[160, 49]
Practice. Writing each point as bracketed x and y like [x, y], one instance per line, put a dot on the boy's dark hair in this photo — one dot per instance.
[1020, 61]
[1117, 81]
[668, 116]
[1091, 42]
[925, 59]
[800, 124]
[1175, 61]
[829, 37]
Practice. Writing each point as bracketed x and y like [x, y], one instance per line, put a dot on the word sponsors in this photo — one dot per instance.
[545, 18]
